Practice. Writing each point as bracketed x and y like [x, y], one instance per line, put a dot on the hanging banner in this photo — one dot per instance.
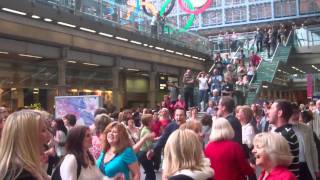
[309, 86]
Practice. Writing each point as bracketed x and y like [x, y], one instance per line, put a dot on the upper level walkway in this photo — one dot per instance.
[45, 25]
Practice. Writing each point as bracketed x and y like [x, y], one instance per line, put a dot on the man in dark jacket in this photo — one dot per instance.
[226, 108]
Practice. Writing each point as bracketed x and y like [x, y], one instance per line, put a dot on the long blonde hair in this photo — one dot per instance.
[183, 150]
[20, 145]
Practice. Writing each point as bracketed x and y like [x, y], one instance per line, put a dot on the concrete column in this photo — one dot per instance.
[62, 88]
[20, 97]
[153, 87]
[116, 91]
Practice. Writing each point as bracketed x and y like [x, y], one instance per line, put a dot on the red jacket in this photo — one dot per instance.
[228, 160]
[255, 60]
[277, 173]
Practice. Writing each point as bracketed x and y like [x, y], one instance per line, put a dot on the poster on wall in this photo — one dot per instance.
[83, 107]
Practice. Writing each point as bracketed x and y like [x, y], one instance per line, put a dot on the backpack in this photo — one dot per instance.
[56, 173]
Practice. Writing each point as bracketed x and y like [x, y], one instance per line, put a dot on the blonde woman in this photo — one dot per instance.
[22, 144]
[273, 155]
[226, 156]
[184, 158]
[245, 115]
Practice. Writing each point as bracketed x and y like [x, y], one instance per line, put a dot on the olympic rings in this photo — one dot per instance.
[167, 12]
[196, 12]
[190, 20]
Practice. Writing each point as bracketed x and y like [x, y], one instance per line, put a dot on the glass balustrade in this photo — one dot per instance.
[132, 19]
[307, 37]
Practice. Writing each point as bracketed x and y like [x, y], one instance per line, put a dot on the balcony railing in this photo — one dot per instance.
[132, 19]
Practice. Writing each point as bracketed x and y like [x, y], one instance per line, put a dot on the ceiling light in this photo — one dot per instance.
[145, 44]
[66, 24]
[72, 62]
[87, 30]
[35, 17]
[150, 46]
[14, 11]
[179, 53]
[46, 84]
[90, 64]
[87, 90]
[187, 55]
[121, 38]
[135, 42]
[131, 69]
[4, 52]
[265, 86]
[105, 34]
[170, 51]
[159, 48]
[47, 20]
[30, 56]
[279, 70]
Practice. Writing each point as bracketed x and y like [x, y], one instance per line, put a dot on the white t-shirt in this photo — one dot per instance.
[203, 85]
[247, 134]
[68, 170]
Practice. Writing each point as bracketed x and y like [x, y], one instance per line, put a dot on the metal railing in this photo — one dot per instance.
[132, 19]
[307, 37]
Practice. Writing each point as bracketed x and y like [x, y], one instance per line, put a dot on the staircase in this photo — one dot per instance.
[267, 69]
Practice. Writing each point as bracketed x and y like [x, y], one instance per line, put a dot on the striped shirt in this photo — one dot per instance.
[287, 132]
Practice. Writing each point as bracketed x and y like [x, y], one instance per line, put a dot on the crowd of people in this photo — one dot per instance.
[229, 77]
[280, 137]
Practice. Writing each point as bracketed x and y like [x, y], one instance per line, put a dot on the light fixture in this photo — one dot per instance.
[14, 11]
[90, 64]
[35, 17]
[265, 86]
[187, 55]
[159, 48]
[131, 69]
[121, 38]
[170, 51]
[179, 53]
[46, 84]
[13, 89]
[105, 34]
[47, 20]
[36, 89]
[66, 24]
[145, 44]
[87, 90]
[72, 62]
[74, 90]
[136, 42]
[87, 30]
[144, 74]
[150, 46]
[1, 52]
[30, 56]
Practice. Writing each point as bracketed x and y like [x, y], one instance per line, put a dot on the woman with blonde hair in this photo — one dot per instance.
[226, 156]
[117, 155]
[273, 155]
[184, 158]
[22, 144]
[245, 115]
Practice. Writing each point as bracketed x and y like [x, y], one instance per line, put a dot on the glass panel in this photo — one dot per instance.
[260, 11]
[238, 14]
[211, 18]
[309, 6]
[285, 8]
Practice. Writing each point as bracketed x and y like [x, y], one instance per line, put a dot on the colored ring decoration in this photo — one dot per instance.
[165, 12]
[196, 12]
[190, 20]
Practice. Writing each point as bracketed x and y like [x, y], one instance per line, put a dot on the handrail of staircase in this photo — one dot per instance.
[289, 38]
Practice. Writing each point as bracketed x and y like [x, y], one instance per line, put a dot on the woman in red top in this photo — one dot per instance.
[272, 153]
[227, 157]
[180, 104]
